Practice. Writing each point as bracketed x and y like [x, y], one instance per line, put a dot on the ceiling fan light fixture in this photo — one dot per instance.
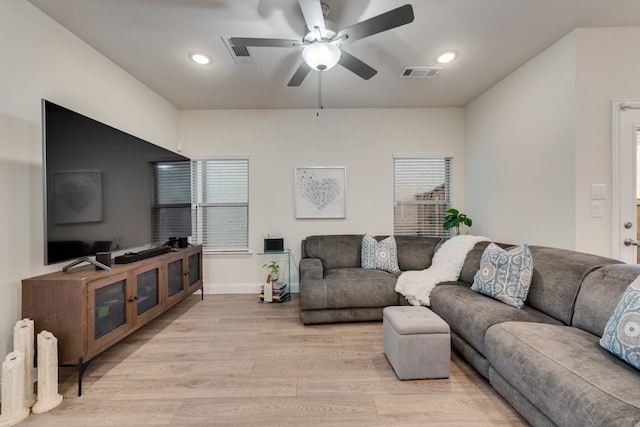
[321, 56]
[446, 57]
[199, 58]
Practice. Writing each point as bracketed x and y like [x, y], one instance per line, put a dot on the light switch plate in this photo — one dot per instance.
[599, 192]
[596, 209]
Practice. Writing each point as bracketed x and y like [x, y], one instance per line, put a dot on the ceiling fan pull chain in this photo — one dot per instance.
[319, 93]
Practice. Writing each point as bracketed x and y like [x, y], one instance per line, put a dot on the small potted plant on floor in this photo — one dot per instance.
[456, 219]
[273, 268]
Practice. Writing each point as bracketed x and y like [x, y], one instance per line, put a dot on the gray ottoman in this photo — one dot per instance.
[416, 342]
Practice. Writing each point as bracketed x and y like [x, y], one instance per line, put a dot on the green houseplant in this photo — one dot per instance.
[456, 219]
[273, 268]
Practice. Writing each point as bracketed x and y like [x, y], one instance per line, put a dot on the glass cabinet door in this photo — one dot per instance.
[107, 314]
[146, 299]
[175, 277]
[110, 304]
[147, 290]
[195, 269]
[176, 287]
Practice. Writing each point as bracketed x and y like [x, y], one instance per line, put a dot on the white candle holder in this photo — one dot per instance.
[48, 396]
[14, 409]
[23, 340]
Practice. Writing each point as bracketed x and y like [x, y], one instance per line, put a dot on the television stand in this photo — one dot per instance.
[86, 259]
[89, 311]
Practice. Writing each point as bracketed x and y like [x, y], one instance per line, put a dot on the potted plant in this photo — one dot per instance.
[456, 219]
[273, 268]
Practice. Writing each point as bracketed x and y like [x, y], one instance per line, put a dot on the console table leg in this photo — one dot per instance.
[81, 368]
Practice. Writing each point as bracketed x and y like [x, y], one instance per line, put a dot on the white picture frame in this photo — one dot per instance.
[320, 192]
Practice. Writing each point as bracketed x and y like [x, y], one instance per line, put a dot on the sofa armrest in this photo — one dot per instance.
[311, 269]
[313, 288]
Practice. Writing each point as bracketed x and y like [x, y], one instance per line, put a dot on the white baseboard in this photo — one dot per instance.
[237, 288]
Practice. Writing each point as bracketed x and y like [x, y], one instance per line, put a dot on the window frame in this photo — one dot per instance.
[421, 227]
[160, 231]
[199, 205]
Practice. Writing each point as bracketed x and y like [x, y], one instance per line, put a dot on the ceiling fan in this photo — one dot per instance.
[321, 44]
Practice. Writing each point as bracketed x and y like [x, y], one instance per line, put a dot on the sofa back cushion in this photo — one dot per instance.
[599, 295]
[472, 261]
[416, 252]
[335, 250]
[345, 250]
[557, 276]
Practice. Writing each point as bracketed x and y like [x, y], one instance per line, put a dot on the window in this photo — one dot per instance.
[221, 204]
[422, 194]
[171, 200]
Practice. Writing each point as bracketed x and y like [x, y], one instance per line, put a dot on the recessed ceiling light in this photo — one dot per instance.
[199, 58]
[445, 57]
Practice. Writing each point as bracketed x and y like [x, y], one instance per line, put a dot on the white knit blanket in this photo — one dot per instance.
[416, 286]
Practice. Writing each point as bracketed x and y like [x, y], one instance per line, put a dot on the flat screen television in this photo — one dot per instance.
[106, 190]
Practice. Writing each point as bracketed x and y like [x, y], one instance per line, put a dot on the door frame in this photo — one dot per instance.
[618, 234]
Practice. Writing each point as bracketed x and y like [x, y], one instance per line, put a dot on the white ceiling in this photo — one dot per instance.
[151, 40]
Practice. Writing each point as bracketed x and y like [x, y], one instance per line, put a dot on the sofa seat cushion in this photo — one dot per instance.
[565, 373]
[470, 314]
[359, 287]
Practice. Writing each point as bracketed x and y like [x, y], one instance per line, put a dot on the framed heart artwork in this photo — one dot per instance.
[320, 192]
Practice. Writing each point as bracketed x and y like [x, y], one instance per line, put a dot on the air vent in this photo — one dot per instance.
[420, 72]
[240, 54]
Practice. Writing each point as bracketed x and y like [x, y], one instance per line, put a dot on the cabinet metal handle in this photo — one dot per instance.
[631, 242]
[132, 299]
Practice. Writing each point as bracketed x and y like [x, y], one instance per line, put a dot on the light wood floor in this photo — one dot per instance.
[229, 360]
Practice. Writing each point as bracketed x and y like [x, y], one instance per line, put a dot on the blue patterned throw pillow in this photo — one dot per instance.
[382, 255]
[622, 332]
[505, 275]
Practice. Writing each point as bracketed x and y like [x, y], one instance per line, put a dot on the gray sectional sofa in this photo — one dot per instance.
[545, 359]
[333, 286]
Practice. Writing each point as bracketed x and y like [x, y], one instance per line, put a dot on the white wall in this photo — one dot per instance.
[520, 148]
[540, 138]
[608, 68]
[40, 59]
[278, 141]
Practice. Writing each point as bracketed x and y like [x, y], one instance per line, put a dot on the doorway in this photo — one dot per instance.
[626, 181]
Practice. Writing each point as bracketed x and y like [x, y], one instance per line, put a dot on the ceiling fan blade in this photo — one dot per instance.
[383, 22]
[356, 66]
[253, 42]
[299, 75]
[313, 16]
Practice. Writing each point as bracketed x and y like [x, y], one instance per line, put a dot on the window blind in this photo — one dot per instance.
[171, 204]
[422, 195]
[221, 208]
